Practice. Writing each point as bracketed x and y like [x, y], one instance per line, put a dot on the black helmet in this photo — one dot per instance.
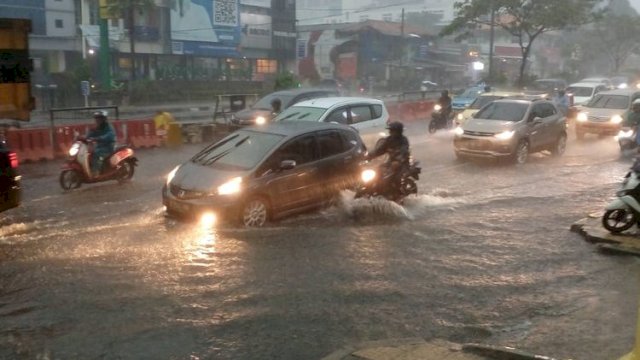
[100, 114]
[396, 126]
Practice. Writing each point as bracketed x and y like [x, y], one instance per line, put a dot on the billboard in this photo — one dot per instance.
[258, 3]
[256, 31]
[206, 27]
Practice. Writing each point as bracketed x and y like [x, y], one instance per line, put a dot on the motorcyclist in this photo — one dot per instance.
[632, 119]
[276, 107]
[396, 147]
[445, 102]
[104, 136]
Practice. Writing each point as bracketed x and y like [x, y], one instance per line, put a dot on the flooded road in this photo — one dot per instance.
[483, 255]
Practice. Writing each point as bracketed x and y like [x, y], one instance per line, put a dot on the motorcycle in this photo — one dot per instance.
[379, 182]
[76, 170]
[627, 139]
[624, 211]
[439, 121]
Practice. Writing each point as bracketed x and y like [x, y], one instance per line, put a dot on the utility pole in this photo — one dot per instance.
[132, 48]
[402, 38]
[105, 75]
[491, 40]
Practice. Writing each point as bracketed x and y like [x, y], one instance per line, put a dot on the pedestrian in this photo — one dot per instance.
[162, 120]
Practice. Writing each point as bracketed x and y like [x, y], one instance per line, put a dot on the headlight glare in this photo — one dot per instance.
[625, 133]
[368, 175]
[616, 119]
[458, 131]
[437, 107]
[460, 117]
[260, 120]
[505, 135]
[582, 117]
[230, 187]
[73, 151]
[208, 220]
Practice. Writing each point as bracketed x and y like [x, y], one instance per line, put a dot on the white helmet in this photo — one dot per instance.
[636, 102]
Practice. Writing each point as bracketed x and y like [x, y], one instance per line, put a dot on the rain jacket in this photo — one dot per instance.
[397, 147]
[105, 138]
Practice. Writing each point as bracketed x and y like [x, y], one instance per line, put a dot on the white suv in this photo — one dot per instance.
[368, 116]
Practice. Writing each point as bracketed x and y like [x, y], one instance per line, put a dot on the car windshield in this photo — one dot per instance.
[265, 102]
[609, 102]
[301, 113]
[580, 91]
[470, 93]
[481, 101]
[241, 150]
[503, 111]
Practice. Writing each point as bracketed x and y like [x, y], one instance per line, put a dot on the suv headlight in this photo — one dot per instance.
[458, 131]
[616, 119]
[260, 120]
[230, 187]
[582, 117]
[505, 135]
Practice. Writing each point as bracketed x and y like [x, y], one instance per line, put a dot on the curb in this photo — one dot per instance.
[393, 349]
[614, 244]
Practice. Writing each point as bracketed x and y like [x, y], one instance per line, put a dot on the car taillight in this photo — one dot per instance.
[13, 160]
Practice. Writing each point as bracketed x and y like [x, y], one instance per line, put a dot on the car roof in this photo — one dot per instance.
[626, 92]
[503, 93]
[596, 78]
[295, 128]
[547, 80]
[522, 101]
[585, 84]
[325, 103]
[298, 91]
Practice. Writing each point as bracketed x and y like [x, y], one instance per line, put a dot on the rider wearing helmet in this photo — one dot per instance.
[396, 146]
[445, 102]
[105, 139]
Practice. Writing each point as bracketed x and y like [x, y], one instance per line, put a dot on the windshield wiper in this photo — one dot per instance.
[210, 148]
[224, 153]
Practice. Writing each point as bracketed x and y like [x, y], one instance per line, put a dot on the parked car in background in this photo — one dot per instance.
[512, 128]
[483, 100]
[463, 100]
[260, 173]
[10, 191]
[261, 111]
[548, 86]
[599, 80]
[583, 92]
[368, 116]
[621, 81]
[604, 114]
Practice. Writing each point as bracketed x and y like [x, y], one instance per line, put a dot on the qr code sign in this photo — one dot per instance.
[225, 12]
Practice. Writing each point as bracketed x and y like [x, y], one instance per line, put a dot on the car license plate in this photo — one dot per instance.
[179, 207]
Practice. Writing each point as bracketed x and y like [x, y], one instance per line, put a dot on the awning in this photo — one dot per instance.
[91, 33]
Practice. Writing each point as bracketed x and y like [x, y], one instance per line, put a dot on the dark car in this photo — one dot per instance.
[261, 111]
[9, 178]
[260, 173]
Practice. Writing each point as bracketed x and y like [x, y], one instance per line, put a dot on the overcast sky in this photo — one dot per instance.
[635, 4]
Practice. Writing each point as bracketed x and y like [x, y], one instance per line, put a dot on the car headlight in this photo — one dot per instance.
[460, 117]
[437, 107]
[616, 119]
[172, 174]
[458, 131]
[625, 133]
[73, 151]
[582, 117]
[368, 175]
[505, 135]
[208, 220]
[230, 187]
[260, 120]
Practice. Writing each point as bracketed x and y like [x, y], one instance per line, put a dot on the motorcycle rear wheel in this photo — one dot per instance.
[125, 172]
[432, 126]
[618, 220]
[70, 179]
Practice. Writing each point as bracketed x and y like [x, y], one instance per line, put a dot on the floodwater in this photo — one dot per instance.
[483, 254]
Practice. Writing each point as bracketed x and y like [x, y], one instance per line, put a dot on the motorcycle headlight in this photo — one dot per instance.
[437, 107]
[73, 151]
[230, 187]
[625, 134]
[458, 131]
[582, 117]
[505, 135]
[616, 119]
[260, 120]
[368, 175]
[172, 174]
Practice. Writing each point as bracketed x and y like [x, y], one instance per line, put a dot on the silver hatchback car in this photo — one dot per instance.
[512, 129]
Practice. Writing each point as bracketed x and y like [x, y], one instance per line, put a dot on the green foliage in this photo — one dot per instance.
[285, 80]
[616, 37]
[523, 19]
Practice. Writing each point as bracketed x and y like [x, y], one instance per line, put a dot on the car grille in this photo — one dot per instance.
[477, 133]
[476, 144]
[184, 193]
[599, 118]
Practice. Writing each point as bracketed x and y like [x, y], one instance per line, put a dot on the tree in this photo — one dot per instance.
[617, 37]
[128, 8]
[525, 20]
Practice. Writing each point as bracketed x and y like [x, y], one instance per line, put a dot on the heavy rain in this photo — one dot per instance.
[416, 179]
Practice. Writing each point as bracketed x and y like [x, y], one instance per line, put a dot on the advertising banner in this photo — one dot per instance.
[256, 31]
[259, 3]
[206, 27]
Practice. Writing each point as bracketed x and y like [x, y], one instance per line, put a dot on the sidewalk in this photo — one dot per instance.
[626, 243]
[418, 349]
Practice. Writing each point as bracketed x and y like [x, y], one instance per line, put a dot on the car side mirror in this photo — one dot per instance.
[536, 120]
[287, 164]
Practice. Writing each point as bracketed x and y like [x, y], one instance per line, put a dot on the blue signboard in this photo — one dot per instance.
[206, 27]
[26, 9]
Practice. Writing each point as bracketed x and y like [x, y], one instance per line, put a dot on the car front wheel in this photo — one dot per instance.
[255, 212]
[521, 154]
[560, 145]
